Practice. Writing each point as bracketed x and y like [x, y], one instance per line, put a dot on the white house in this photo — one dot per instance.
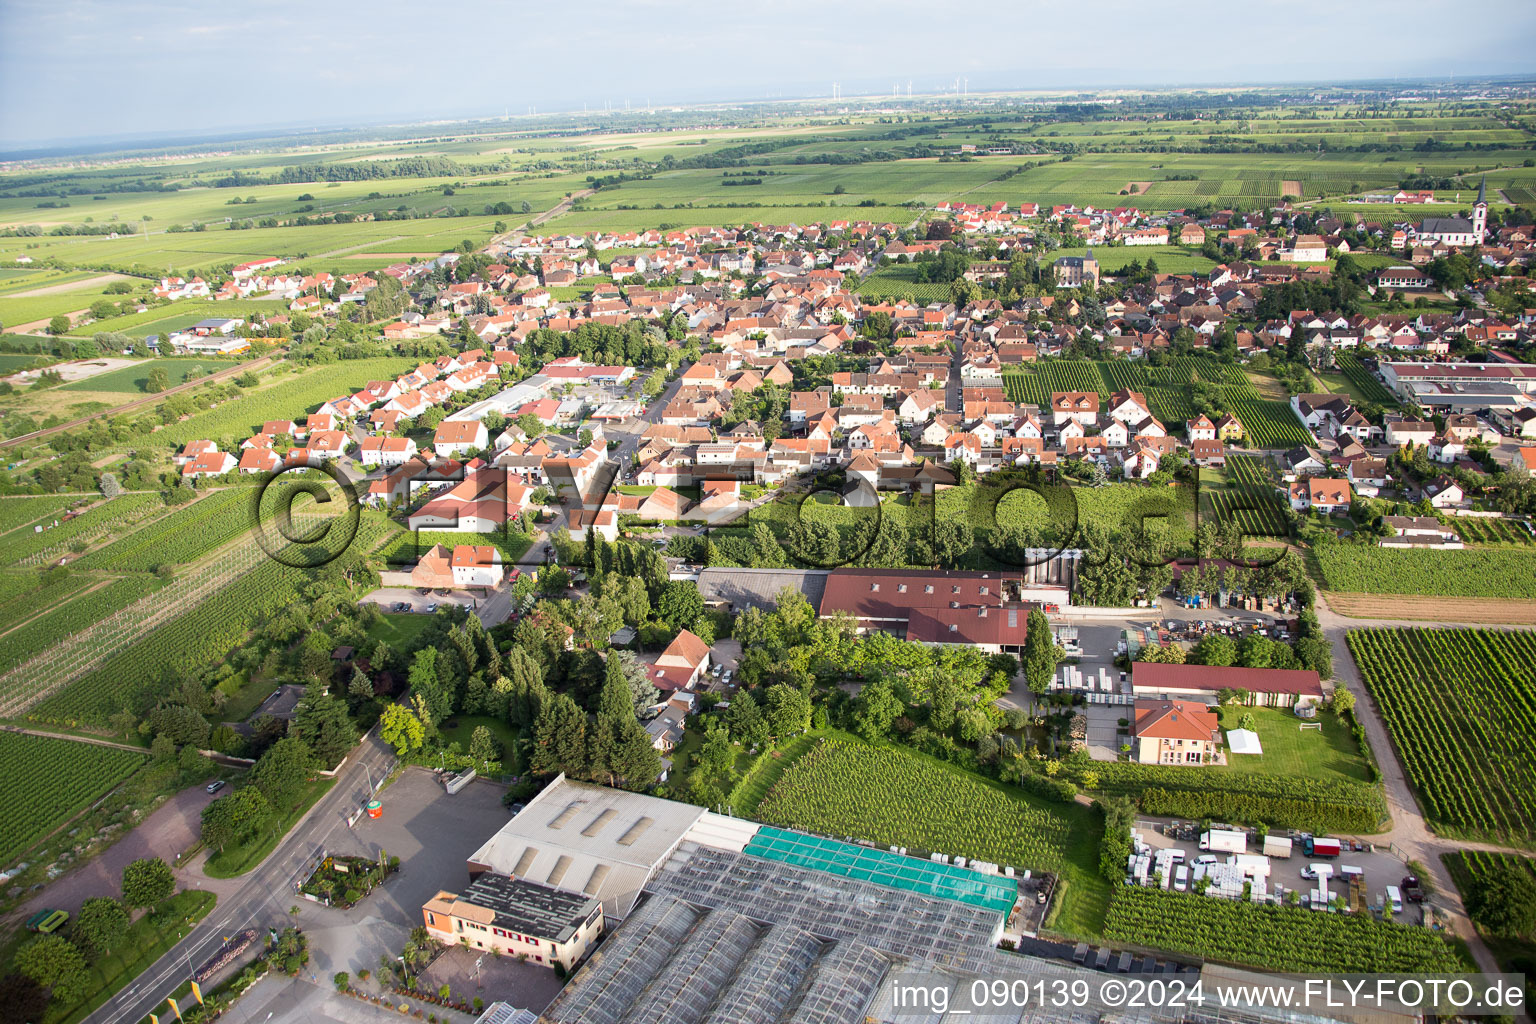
[386, 451]
[476, 565]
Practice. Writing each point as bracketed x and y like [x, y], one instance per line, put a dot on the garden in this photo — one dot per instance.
[344, 881]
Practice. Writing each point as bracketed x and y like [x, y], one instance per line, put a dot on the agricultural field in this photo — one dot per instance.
[1460, 705]
[1273, 938]
[1322, 800]
[180, 315]
[55, 622]
[844, 787]
[179, 537]
[1363, 385]
[1475, 530]
[1515, 954]
[889, 283]
[407, 546]
[48, 781]
[1244, 494]
[134, 380]
[1473, 572]
[25, 510]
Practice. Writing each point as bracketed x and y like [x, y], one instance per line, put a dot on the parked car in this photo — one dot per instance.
[215, 786]
[431, 607]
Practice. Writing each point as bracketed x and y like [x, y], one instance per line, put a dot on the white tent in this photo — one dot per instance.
[1243, 741]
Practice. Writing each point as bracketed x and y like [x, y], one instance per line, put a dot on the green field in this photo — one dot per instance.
[398, 629]
[1327, 754]
[134, 380]
[1473, 572]
[48, 781]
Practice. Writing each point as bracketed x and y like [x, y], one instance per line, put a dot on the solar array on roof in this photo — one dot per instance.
[892, 870]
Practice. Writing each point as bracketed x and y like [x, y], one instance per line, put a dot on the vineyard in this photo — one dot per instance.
[1250, 500]
[178, 538]
[1476, 530]
[47, 781]
[56, 622]
[1471, 868]
[1269, 424]
[1488, 572]
[887, 795]
[121, 513]
[1289, 801]
[24, 511]
[1461, 707]
[1272, 937]
[1371, 389]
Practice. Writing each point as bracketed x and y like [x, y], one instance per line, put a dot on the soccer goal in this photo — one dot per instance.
[1304, 726]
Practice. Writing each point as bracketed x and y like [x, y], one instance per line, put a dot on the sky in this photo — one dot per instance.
[102, 69]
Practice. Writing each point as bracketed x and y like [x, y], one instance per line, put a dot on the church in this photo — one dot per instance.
[1459, 231]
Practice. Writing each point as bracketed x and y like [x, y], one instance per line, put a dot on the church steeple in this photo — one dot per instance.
[1480, 211]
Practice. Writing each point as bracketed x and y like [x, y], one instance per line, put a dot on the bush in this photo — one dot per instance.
[342, 980]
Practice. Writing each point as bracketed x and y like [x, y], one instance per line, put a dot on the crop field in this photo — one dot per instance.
[287, 397]
[1371, 389]
[1249, 499]
[28, 509]
[179, 315]
[1273, 938]
[1473, 572]
[1471, 868]
[48, 781]
[1460, 705]
[134, 380]
[59, 621]
[897, 282]
[884, 794]
[1493, 531]
[27, 594]
[180, 537]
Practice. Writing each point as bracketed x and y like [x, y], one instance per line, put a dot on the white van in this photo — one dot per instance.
[1181, 878]
[1394, 904]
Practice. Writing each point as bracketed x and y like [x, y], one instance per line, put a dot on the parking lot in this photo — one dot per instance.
[1379, 867]
[391, 599]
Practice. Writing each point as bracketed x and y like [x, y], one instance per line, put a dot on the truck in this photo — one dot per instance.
[1224, 841]
[1277, 846]
[1412, 889]
[1319, 847]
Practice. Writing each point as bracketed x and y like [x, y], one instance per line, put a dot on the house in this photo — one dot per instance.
[208, 463]
[259, 460]
[1265, 686]
[385, 451]
[456, 437]
[482, 501]
[1406, 432]
[1175, 732]
[1200, 429]
[1419, 532]
[1444, 492]
[1446, 448]
[1229, 428]
[1302, 459]
[194, 449]
[476, 565]
[325, 445]
[1075, 406]
[1367, 475]
[1208, 453]
[1319, 494]
[518, 918]
[604, 522]
[682, 664]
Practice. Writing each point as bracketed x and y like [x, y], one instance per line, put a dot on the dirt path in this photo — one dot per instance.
[69, 286]
[118, 410]
[1486, 611]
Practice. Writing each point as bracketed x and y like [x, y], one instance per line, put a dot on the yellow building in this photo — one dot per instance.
[515, 917]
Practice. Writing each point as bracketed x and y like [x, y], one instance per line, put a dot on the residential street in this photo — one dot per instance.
[260, 899]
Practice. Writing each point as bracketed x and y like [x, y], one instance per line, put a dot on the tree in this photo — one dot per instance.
[789, 710]
[875, 708]
[321, 721]
[746, 721]
[401, 729]
[281, 772]
[714, 768]
[157, 381]
[1343, 700]
[1040, 652]
[635, 761]
[22, 1000]
[1503, 901]
[1214, 649]
[236, 818]
[54, 963]
[58, 325]
[560, 735]
[146, 882]
[680, 605]
[101, 925]
[484, 746]
[109, 486]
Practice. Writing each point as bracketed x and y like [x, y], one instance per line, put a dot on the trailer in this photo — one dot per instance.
[1224, 841]
[1277, 846]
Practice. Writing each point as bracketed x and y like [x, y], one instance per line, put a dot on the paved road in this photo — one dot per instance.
[652, 416]
[260, 899]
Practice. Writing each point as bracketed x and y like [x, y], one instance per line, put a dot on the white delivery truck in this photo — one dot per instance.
[1221, 840]
[1394, 902]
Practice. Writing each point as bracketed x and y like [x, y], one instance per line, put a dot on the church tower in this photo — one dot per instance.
[1480, 211]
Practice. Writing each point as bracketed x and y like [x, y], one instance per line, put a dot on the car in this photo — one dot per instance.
[423, 591]
[717, 670]
[431, 607]
[1206, 858]
[215, 786]
[728, 674]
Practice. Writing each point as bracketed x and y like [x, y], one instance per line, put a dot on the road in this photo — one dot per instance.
[627, 446]
[260, 899]
[118, 410]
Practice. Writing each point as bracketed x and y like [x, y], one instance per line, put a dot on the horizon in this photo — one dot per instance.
[52, 55]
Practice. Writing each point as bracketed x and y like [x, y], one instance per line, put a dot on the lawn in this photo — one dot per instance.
[398, 629]
[1288, 750]
[237, 860]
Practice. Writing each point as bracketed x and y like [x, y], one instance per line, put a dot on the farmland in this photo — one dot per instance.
[134, 380]
[1271, 937]
[30, 547]
[179, 537]
[1459, 705]
[1471, 868]
[843, 787]
[54, 622]
[1473, 572]
[1476, 530]
[1247, 497]
[48, 781]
